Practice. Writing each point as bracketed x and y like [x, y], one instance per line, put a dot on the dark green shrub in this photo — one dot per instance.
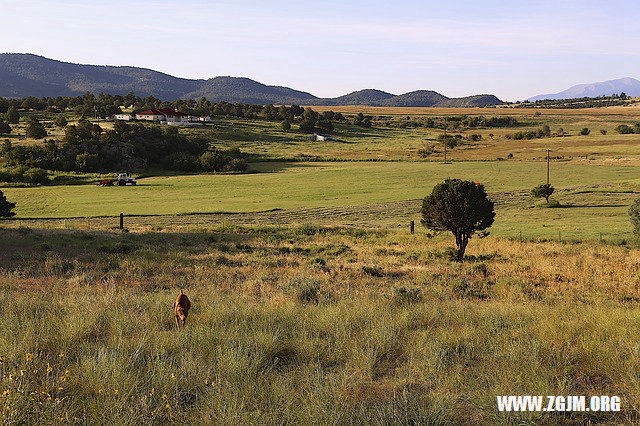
[6, 206]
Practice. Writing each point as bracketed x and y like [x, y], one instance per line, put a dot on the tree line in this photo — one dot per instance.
[85, 147]
[105, 105]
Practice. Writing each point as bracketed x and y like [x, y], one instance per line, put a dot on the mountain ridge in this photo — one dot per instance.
[628, 85]
[24, 74]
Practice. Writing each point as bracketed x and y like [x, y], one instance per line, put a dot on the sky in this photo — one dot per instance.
[513, 49]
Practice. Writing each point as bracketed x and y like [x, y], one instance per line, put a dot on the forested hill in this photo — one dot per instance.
[23, 75]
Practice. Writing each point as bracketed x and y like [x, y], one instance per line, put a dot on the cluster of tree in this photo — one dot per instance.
[544, 131]
[312, 121]
[598, 102]
[87, 105]
[625, 129]
[87, 148]
[104, 105]
[454, 122]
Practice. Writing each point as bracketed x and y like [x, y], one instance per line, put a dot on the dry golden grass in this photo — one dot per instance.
[308, 324]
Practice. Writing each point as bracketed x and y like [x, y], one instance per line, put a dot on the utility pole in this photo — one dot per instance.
[445, 143]
[548, 164]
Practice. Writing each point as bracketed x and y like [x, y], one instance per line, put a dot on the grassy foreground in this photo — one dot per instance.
[299, 324]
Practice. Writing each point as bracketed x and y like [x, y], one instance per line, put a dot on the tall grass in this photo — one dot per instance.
[274, 336]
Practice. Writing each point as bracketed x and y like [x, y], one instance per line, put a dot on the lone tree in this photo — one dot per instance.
[12, 116]
[461, 207]
[6, 206]
[35, 130]
[585, 131]
[634, 216]
[543, 191]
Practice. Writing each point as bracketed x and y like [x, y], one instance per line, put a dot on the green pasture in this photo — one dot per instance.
[306, 185]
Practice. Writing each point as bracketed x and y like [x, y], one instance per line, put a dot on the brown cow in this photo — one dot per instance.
[181, 308]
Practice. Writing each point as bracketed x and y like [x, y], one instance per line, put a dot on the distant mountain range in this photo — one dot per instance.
[31, 75]
[628, 85]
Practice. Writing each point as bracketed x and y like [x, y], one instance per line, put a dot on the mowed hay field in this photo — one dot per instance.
[312, 302]
[590, 192]
[308, 324]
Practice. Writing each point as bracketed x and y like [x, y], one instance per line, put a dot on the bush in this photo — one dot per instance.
[307, 289]
[222, 161]
[286, 125]
[6, 206]
[181, 162]
[36, 176]
[634, 216]
[624, 129]
[585, 131]
[551, 204]
[236, 165]
[543, 191]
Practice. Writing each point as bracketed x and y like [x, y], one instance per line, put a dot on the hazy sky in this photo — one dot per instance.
[513, 49]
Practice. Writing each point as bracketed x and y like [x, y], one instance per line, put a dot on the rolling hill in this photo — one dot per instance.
[24, 75]
[628, 85]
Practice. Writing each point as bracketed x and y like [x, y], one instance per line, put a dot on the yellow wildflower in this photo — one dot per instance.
[61, 354]
[164, 396]
[49, 369]
[115, 391]
[168, 406]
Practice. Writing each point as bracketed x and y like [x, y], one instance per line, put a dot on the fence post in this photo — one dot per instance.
[121, 220]
[412, 226]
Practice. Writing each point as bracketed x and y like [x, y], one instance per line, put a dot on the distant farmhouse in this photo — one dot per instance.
[169, 116]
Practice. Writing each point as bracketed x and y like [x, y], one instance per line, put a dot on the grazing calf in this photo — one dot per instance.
[181, 308]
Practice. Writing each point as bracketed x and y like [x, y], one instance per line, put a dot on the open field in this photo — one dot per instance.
[268, 140]
[312, 302]
[347, 193]
[368, 327]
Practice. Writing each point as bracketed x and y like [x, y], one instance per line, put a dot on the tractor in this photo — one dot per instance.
[121, 180]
